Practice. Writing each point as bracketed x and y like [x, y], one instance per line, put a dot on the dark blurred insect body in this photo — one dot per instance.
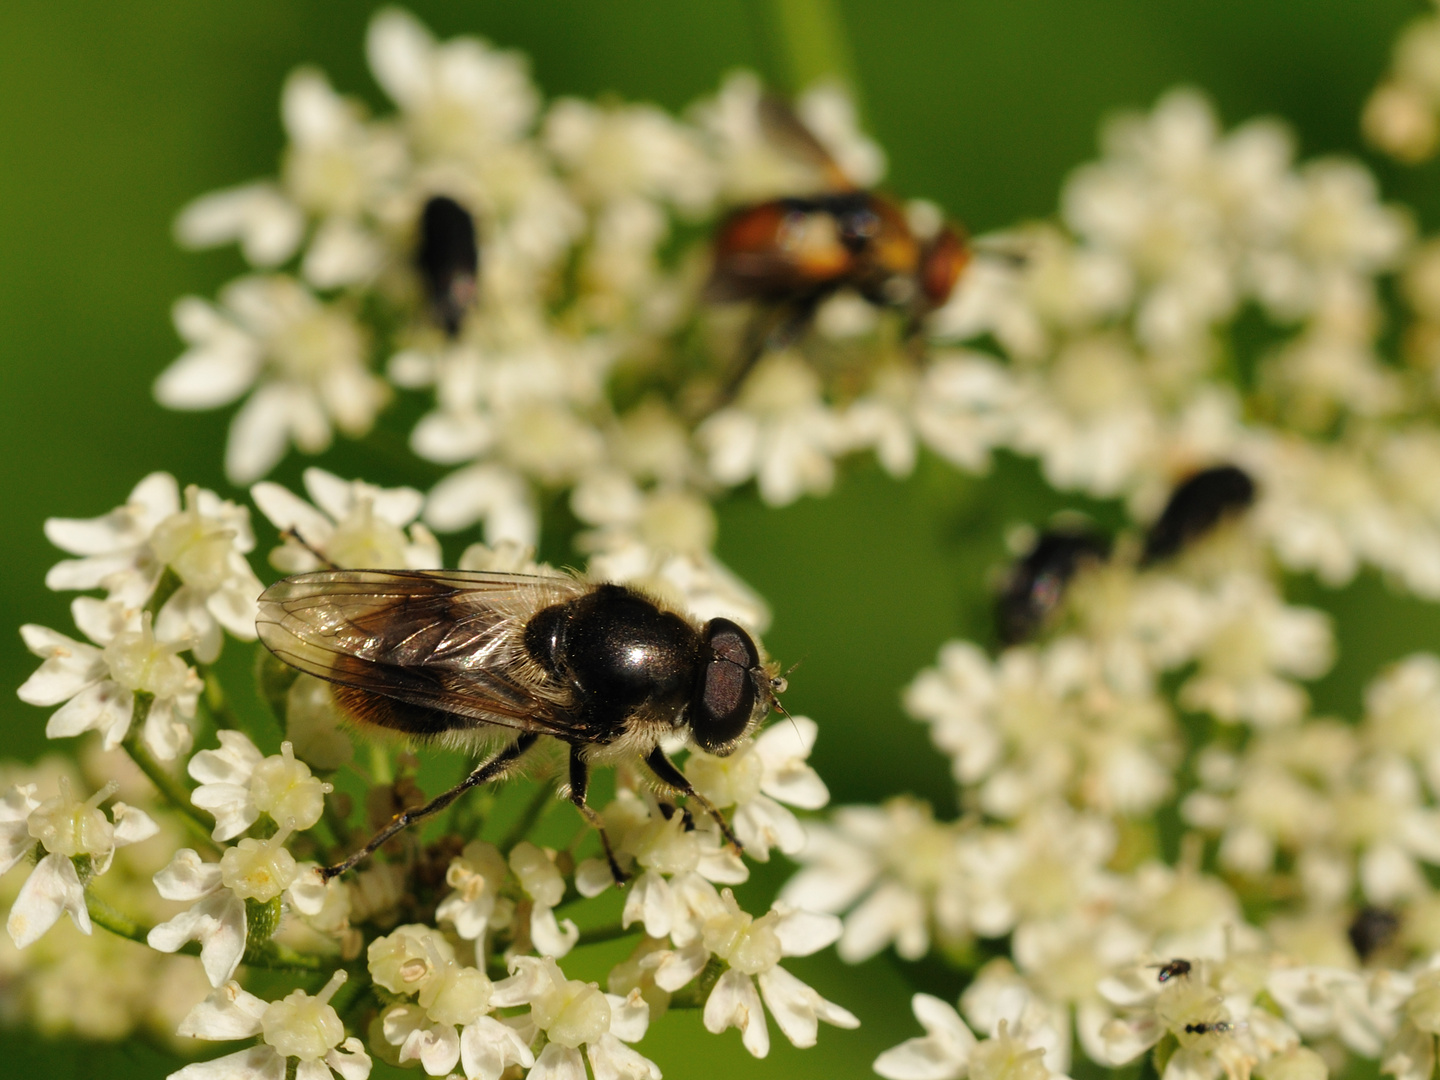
[472, 659]
[448, 259]
[1173, 970]
[1196, 507]
[1371, 930]
[1035, 585]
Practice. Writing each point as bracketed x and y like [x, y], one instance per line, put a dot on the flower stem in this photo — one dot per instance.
[271, 955]
[697, 993]
[121, 925]
[216, 704]
[169, 786]
[165, 588]
[276, 957]
[613, 932]
[813, 46]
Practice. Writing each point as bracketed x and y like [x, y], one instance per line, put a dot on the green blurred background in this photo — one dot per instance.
[114, 115]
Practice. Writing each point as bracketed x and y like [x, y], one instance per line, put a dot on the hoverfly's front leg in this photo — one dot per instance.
[666, 772]
[293, 533]
[490, 770]
[579, 787]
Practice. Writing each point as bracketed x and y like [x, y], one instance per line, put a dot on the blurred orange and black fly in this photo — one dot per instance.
[788, 255]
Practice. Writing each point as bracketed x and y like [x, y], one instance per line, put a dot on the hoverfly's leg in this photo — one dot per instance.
[491, 770]
[666, 772]
[769, 329]
[293, 533]
[579, 787]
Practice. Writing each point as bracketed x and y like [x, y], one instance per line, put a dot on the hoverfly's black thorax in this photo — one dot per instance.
[619, 650]
[448, 257]
[544, 637]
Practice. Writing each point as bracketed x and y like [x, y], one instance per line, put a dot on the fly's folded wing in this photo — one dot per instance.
[444, 640]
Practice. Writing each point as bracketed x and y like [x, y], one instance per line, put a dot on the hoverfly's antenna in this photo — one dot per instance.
[778, 685]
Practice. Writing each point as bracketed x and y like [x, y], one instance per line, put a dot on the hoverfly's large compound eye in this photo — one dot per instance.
[725, 694]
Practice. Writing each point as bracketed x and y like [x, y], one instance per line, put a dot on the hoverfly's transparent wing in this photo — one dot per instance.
[788, 133]
[448, 642]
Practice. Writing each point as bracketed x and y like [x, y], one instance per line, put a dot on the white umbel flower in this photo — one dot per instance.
[257, 870]
[1257, 639]
[575, 1014]
[353, 524]
[779, 432]
[897, 871]
[475, 907]
[203, 541]
[238, 784]
[545, 885]
[949, 1050]
[98, 683]
[460, 99]
[760, 776]
[298, 1027]
[305, 361]
[76, 837]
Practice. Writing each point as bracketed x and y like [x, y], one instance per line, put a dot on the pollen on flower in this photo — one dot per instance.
[304, 1027]
[284, 788]
[259, 869]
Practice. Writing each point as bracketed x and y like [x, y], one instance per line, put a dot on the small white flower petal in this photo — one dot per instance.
[734, 1002]
[52, 889]
[488, 1048]
[552, 938]
[558, 1062]
[229, 1012]
[132, 825]
[804, 932]
[798, 1008]
[256, 1063]
[187, 877]
[629, 1016]
[105, 707]
[350, 1060]
[611, 1059]
[218, 923]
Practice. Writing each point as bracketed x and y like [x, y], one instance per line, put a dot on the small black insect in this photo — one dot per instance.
[1197, 506]
[473, 660]
[448, 258]
[1210, 1027]
[1371, 930]
[1035, 585]
[1173, 970]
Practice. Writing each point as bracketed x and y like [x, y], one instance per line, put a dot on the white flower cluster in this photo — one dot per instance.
[1160, 848]
[1288, 918]
[175, 578]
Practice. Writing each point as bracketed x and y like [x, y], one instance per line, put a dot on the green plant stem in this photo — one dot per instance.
[811, 40]
[216, 703]
[273, 956]
[121, 925]
[613, 932]
[697, 993]
[276, 957]
[541, 801]
[349, 996]
[165, 588]
[169, 786]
